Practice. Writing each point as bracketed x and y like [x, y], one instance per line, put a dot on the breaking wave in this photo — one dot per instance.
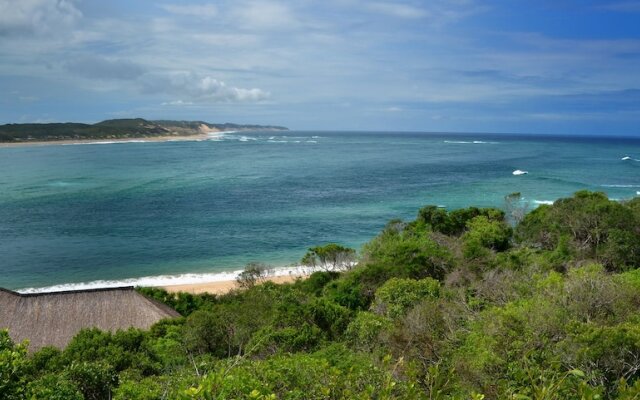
[164, 280]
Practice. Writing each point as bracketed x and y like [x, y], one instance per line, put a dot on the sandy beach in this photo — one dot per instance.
[222, 287]
[183, 138]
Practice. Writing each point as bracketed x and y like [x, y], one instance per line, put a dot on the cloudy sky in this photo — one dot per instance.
[545, 66]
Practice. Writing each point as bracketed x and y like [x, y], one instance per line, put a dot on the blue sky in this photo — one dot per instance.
[563, 66]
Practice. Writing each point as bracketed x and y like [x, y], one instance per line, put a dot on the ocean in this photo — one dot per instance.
[86, 215]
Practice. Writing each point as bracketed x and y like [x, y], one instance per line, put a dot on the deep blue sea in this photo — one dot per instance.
[119, 212]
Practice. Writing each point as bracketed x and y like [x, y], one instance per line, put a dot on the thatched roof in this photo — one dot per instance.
[53, 319]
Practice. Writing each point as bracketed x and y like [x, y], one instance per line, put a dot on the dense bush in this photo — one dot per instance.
[598, 228]
[456, 304]
[397, 295]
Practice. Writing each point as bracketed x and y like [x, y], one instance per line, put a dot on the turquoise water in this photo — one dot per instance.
[82, 213]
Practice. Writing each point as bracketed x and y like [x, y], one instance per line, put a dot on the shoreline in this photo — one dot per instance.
[223, 287]
[142, 139]
[218, 282]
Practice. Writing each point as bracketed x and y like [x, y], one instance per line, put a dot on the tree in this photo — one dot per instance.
[53, 387]
[398, 295]
[254, 273]
[515, 208]
[95, 380]
[454, 223]
[483, 238]
[13, 367]
[330, 257]
[597, 227]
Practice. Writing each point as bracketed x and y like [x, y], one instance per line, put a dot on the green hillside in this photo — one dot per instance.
[114, 129]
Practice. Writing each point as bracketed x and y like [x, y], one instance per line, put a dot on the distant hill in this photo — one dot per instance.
[117, 129]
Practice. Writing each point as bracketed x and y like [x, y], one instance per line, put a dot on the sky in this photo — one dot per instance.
[512, 66]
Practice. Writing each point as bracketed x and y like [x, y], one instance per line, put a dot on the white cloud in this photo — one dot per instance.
[438, 12]
[213, 89]
[202, 89]
[265, 15]
[177, 103]
[96, 67]
[36, 16]
[192, 10]
[397, 10]
[235, 40]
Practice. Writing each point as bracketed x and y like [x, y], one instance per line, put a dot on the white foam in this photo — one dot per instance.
[620, 186]
[241, 138]
[216, 135]
[312, 141]
[106, 142]
[468, 142]
[520, 172]
[637, 192]
[546, 202]
[165, 280]
[627, 158]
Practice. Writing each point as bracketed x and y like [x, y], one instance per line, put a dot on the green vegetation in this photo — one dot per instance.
[114, 129]
[330, 257]
[452, 305]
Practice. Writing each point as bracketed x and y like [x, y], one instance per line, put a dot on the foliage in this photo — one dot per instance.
[301, 376]
[454, 305]
[409, 252]
[397, 295]
[364, 331]
[253, 274]
[13, 365]
[95, 380]
[598, 228]
[454, 223]
[330, 257]
[183, 302]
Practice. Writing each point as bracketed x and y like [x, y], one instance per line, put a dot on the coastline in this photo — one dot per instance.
[142, 139]
[222, 287]
[213, 282]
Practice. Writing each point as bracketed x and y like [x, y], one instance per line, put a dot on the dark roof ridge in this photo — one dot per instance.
[103, 289]
[160, 305]
[9, 291]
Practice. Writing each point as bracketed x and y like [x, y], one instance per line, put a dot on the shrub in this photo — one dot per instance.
[364, 331]
[330, 257]
[316, 282]
[597, 227]
[253, 274]
[95, 380]
[53, 387]
[13, 367]
[455, 222]
[397, 295]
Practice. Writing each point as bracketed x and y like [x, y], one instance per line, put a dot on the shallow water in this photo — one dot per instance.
[81, 213]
